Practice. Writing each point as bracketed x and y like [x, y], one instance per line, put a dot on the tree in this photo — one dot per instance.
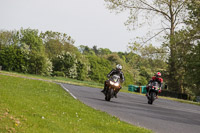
[53, 48]
[194, 18]
[193, 71]
[99, 68]
[95, 49]
[66, 63]
[171, 12]
[114, 58]
[37, 63]
[8, 38]
[12, 58]
[82, 70]
[149, 56]
[56, 42]
[61, 37]
[186, 42]
[85, 50]
[146, 60]
[104, 51]
[193, 57]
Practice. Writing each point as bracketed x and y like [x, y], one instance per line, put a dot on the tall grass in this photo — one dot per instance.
[32, 106]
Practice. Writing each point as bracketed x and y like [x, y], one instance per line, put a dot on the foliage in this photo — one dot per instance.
[186, 58]
[115, 59]
[65, 62]
[146, 60]
[24, 52]
[13, 59]
[53, 48]
[81, 70]
[193, 71]
[53, 53]
[94, 51]
[56, 42]
[99, 68]
[193, 58]
[128, 78]
[170, 12]
[141, 11]
[38, 62]
[85, 50]
[6, 38]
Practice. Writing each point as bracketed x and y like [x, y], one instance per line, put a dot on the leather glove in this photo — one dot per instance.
[159, 91]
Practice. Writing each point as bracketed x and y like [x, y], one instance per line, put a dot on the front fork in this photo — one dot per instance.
[148, 93]
[116, 90]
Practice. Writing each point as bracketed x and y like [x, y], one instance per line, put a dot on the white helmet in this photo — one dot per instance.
[118, 66]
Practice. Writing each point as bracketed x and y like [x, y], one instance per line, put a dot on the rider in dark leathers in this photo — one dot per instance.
[118, 72]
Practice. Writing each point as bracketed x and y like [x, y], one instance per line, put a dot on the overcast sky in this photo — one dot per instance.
[88, 22]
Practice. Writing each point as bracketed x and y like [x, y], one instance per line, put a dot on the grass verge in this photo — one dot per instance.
[31, 106]
[86, 83]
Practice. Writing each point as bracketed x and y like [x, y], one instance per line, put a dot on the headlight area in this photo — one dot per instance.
[115, 84]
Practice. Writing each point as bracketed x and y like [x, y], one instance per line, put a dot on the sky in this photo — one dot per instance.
[88, 22]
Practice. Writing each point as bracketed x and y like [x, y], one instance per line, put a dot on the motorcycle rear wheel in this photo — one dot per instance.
[150, 102]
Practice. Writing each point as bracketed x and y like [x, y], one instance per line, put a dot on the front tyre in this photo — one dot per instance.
[107, 98]
[152, 97]
[108, 95]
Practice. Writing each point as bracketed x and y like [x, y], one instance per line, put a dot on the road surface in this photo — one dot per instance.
[164, 116]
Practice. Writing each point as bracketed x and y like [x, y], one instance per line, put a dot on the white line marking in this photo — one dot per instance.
[68, 91]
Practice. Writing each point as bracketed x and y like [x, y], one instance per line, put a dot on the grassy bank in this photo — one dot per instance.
[28, 105]
[61, 80]
[85, 83]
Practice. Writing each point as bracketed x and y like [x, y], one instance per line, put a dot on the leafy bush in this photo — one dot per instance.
[58, 73]
[99, 68]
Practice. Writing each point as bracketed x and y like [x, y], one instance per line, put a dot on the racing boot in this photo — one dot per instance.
[105, 88]
[104, 91]
[115, 94]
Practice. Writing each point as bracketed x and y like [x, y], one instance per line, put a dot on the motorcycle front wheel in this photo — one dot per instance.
[151, 99]
[109, 94]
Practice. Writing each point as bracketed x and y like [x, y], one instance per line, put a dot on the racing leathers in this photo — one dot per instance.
[160, 82]
[114, 72]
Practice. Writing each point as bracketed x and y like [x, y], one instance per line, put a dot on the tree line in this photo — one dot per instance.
[180, 24]
[53, 54]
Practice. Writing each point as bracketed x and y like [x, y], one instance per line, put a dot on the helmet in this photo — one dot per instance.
[119, 67]
[158, 74]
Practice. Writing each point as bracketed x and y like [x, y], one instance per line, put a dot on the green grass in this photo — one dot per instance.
[87, 83]
[63, 80]
[31, 106]
[56, 79]
[180, 100]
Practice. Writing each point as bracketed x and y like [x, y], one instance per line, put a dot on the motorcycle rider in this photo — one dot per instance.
[118, 72]
[157, 78]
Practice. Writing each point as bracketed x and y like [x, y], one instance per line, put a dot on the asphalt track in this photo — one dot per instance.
[164, 116]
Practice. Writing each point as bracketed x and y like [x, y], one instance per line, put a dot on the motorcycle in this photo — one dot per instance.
[113, 87]
[153, 91]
